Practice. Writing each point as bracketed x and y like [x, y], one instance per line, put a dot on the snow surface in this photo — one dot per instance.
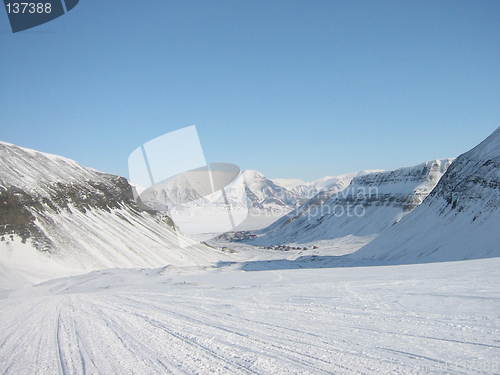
[430, 318]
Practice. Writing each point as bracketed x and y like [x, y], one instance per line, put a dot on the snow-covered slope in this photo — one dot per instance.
[59, 218]
[460, 219]
[264, 194]
[333, 184]
[372, 202]
[270, 199]
[288, 183]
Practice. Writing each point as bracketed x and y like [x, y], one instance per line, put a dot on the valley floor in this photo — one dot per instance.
[427, 318]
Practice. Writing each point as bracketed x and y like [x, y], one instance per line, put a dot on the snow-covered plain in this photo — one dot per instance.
[409, 319]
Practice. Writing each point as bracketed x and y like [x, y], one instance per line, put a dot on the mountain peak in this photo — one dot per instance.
[252, 174]
[487, 149]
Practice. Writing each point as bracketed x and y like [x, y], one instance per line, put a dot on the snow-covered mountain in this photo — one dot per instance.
[164, 196]
[308, 190]
[460, 218]
[250, 190]
[254, 201]
[264, 194]
[372, 202]
[59, 218]
[288, 183]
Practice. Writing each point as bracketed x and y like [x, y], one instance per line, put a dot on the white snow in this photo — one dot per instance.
[288, 183]
[99, 239]
[33, 171]
[432, 318]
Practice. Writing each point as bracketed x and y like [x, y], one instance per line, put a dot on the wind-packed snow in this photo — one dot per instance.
[418, 319]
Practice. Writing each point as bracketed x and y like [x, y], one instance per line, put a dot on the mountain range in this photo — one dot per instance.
[59, 218]
[439, 210]
[257, 199]
[371, 202]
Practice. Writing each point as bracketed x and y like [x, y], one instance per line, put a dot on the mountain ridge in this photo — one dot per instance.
[66, 218]
[458, 220]
[385, 196]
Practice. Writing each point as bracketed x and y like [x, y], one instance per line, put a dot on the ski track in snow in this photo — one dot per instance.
[441, 317]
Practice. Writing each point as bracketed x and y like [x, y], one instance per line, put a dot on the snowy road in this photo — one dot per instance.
[442, 317]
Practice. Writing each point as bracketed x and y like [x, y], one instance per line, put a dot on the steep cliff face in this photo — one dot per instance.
[54, 210]
[371, 203]
[459, 219]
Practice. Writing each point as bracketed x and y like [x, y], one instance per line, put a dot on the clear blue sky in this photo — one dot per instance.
[291, 88]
